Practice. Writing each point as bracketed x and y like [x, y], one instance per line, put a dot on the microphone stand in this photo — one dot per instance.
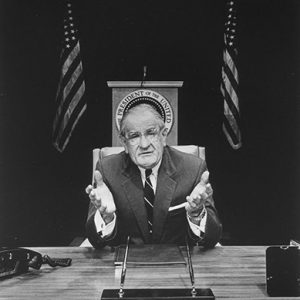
[191, 270]
[157, 293]
[124, 265]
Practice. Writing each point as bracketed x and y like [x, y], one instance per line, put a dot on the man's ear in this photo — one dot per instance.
[164, 134]
[123, 142]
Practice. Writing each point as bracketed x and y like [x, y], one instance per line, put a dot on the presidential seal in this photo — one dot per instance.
[159, 102]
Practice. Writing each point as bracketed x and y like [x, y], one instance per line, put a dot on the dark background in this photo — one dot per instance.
[256, 188]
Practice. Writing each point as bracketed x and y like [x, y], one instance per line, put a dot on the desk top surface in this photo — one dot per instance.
[235, 272]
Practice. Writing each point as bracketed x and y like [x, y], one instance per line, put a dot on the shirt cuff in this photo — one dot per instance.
[105, 229]
[198, 230]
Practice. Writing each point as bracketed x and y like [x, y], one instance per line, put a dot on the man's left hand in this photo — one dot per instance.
[196, 200]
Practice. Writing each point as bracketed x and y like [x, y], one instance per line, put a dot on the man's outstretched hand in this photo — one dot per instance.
[102, 198]
[197, 198]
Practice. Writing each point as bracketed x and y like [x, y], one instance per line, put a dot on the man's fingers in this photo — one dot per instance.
[102, 208]
[97, 202]
[199, 195]
[204, 196]
[204, 177]
[98, 178]
[100, 195]
[95, 198]
[92, 194]
[193, 208]
[190, 202]
[189, 206]
[89, 188]
[193, 201]
[209, 189]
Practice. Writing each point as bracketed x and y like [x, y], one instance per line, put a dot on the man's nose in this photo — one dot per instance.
[144, 141]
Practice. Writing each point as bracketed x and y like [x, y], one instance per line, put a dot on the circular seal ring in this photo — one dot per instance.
[146, 100]
[156, 100]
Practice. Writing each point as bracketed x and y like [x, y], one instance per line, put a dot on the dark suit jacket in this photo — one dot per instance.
[177, 176]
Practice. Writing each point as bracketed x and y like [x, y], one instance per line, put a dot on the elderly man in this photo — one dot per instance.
[150, 191]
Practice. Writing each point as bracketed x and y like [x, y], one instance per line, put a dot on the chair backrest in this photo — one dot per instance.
[100, 153]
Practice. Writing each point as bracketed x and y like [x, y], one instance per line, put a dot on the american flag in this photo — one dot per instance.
[70, 99]
[230, 80]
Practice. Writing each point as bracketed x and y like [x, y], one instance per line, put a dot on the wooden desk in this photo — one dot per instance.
[231, 272]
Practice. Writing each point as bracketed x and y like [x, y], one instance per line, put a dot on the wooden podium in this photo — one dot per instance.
[162, 94]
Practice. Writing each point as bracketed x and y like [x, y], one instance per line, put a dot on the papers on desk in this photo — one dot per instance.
[150, 255]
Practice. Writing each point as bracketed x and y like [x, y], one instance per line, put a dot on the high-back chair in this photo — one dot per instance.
[99, 153]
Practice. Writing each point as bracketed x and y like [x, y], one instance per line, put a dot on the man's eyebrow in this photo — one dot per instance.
[150, 128]
[132, 132]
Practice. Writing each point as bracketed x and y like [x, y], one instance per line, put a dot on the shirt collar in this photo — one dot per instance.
[154, 170]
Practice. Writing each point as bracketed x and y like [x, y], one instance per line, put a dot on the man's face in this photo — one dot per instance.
[144, 140]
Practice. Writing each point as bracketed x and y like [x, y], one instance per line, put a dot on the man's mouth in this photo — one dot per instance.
[146, 153]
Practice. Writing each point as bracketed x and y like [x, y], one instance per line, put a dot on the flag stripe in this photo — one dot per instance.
[63, 85]
[232, 138]
[68, 132]
[232, 121]
[229, 57]
[67, 68]
[232, 134]
[72, 64]
[228, 120]
[70, 109]
[70, 99]
[67, 93]
[70, 58]
[231, 118]
[227, 127]
[230, 81]
[229, 93]
[229, 106]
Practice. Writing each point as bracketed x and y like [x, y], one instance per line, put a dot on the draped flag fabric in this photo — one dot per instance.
[70, 99]
[230, 80]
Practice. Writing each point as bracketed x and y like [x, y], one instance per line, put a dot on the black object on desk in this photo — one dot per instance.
[283, 271]
[15, 261]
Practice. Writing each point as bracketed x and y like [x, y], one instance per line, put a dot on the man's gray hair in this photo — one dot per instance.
[143, 107]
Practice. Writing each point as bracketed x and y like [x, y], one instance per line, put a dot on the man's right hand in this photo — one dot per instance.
[102, 198]
[196, 200]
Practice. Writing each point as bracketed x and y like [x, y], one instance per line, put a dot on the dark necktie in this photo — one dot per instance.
[149, 198]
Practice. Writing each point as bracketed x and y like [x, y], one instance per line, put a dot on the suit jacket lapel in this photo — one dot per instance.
[164, 194]
[133, 189]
